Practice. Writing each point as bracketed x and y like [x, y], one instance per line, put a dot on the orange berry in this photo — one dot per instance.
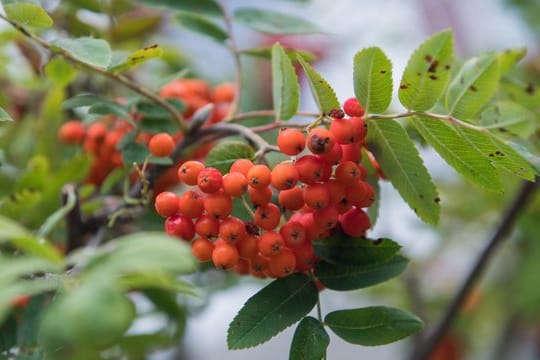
[352, 107]
[320, 140]
[191, 204]
[291, 199]
[267, 217]
[317, 196]
[96, 132]
[336, 190]
[282, 264]
[202, 249]
[284, 176]
[181, 226]
[259, 265]
[207, 226]
[327, 217]
[293, 233]
[72, 132]
[259, 176]
[210, 180]
[248, 247]
[189, 171]
[161, 145]
[242, 166]
[312, 169]
[271, 243]
[351, 152]
[343, 131]
[359, 127]
[354, 222]
[166, 204]
[225, 256]
[223, 92]
[260, 197]
[291, 141]
[313, 229]
[232, 230]
[305, 257]
[348, 173]
[235, 184]
[218, 205]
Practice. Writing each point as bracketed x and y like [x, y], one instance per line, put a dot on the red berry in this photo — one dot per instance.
[235, 184]
[189, 171]
[271, 243]
[284, 176]
[242, 166]
[352, 107]
[202, 249]
[354, 222]
[161, 145]
[282, 264]
[317, 196]
[232, 230]
[72, 132]
[348, 173]
[218, 205]
[267, 217]
[320, 140]
[181, 226]
[210, 180]
[291, 141]
[259, 176]
[312, 169]
[343, 131]
[293, 233]
[260, 197]
[292, 199]
[166, 204]
[327, 217]
[191, 204]
[207, 226]
[225, 256]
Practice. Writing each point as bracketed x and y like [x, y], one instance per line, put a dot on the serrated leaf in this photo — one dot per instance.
[310, 340]
[458, 152]
[427, 72]
[277, 306]
[266, 53]
[225, 153]
[352, 277]
[60, 72]
[527, 154]
[273, 22]
[371, 326]
[403, 166]
[510, 57]
[137, 57]
[473, 86]
[28, 14]
[95, 52]
[342, 249]
[372, 77]
[110, 107]
[202, 25]
[510, 118]
[285, 88]
[4, 116]
[502, 156]
[324, 95]
[207, 7]
[525, 94]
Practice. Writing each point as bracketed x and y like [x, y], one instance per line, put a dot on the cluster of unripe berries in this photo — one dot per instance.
[308, 197]
[100, 138]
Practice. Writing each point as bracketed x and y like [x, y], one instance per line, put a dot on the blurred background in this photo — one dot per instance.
[501, 318]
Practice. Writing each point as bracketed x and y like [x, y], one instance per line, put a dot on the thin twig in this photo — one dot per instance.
[266, 113]
[278, 125]
[138, 88]
[518, 205]
[448, 118]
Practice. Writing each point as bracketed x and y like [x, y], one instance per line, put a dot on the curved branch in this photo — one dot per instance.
[519, 203]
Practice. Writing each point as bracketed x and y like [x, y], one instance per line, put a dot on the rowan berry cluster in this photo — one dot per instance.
[321, 189]
[100, 139]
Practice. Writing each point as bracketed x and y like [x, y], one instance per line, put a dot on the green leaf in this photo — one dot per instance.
[509, 117]
[525, 94]
[273, 22]
[277, 306]
[14, 268]
[4, 116]
[202, 25]
[206, 7]
[427, 72]
[157, 112]
[32, 287]
[95, 52]
[371, 326]
[343, 249]
[225, 153]
[134, 153]
[266, 53]
[285, 88]
[137, 57]
[372, 76]
[403, 166]
[502, 156]
[324, 95]
[510, 57]
[352, 277]
[459, 152]
[157, 280]
[310, 340]
[28, 14]
[60, 72]
[527, 154]
[473, 86]
[110, 107]
[27, 332]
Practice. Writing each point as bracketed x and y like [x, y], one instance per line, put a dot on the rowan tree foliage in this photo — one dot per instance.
[118, 182]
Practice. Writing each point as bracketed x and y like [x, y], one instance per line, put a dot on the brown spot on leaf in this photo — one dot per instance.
[503, 129]
[378, 241]
[433, 66]
[383, 71]
[530, 89]
[404, 86]
[433, 77]
[473, 88]
[437, 200]
[447, 67]
[428, 58]
[491, 155]
[151, 47]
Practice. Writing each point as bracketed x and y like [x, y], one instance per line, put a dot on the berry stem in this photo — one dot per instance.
[131, 84]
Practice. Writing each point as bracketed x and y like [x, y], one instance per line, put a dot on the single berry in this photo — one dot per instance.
[232, 230]
[202, 249]
[347, 173]
[317, 196]
[235, 184]
[259, 176]
[337, 191]
[305, 257]
[248, 247]
[218, 205]
[259, 265]
[161, 145]
[320, 140]
[291, 141]
[352, 107]
[225, 256]
[351, 152]
[267, 217]
[282, 264]
[333, 156]
[360, 128]
[293, 233]
[271, 243]
[181, 226]
[292, 199]
[166, 204]
[260, 197]
[72, 132]
[207, 226]
[327, 217]
[343, 131]
[284, 176]
[312, 169]
[189, 171]
[210, 180]
[191, 204]
[242, 166]
[354, 222]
